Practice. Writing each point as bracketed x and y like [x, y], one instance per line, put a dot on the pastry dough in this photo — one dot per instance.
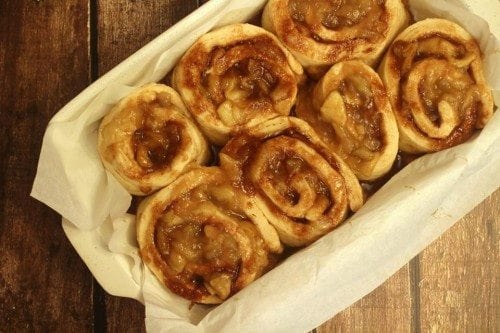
[435, 82]
[320, 33]
[199, 239]
[148, 139]
[235, 77]
[351, 113]
[302, 188]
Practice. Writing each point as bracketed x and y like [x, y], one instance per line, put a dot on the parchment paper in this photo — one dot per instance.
[408, 213]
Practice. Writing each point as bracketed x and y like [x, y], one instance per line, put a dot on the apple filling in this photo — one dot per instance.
[352, 112]
[297, 182]
[338, 14]
[296, 179]
[201, 253]
[156, 147]
[244, 81]
[436, 72]
[208, 244]
[155, 140]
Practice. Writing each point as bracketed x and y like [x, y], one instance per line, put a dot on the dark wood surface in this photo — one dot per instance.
[50, 50]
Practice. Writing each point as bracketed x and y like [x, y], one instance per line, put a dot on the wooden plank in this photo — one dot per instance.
[386, 309]
[44, 285]
[459, 282]
[123, 27]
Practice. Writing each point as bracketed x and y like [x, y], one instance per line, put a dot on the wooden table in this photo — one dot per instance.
[50, 50]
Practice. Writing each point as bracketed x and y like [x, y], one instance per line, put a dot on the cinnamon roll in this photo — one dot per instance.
[351, 113]
[320, 33]
[302, 188]
[235, 77]
[148, 139]
[435, 82]
[199, 239]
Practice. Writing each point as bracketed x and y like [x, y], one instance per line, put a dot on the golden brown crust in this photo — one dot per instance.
[435, 82]
[198, 238]
[320, 33]
[302, 188]
[351, 113]
[148, 139]
[234, 77]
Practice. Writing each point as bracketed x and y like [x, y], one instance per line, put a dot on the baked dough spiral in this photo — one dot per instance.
[435, 82]
[320, 33]
[197, 238]
[351, 113]
[302, 188]
[235, 77]
[148, 139]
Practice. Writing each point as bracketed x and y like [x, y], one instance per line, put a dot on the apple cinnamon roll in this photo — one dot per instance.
[199, 239]
[303, 189]
[320, 33]
[148, 139]
[435, 82]
[235, 77]
[351, 113]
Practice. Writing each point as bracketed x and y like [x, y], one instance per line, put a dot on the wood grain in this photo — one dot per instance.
[44, 285]
[386, 309]
[125, 26]
[459, 285]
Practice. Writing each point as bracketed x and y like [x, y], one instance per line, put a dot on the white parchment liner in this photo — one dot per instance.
[400, 220]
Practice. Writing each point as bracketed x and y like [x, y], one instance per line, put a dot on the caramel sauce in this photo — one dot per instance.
[155, 148]
[134, 205]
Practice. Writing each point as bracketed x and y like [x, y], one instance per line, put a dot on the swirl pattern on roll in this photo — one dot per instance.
[199, 239]
[302, 188]
[320, 33]
[235, 77]
[148, 139]
[435, 82]
[351, 113]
